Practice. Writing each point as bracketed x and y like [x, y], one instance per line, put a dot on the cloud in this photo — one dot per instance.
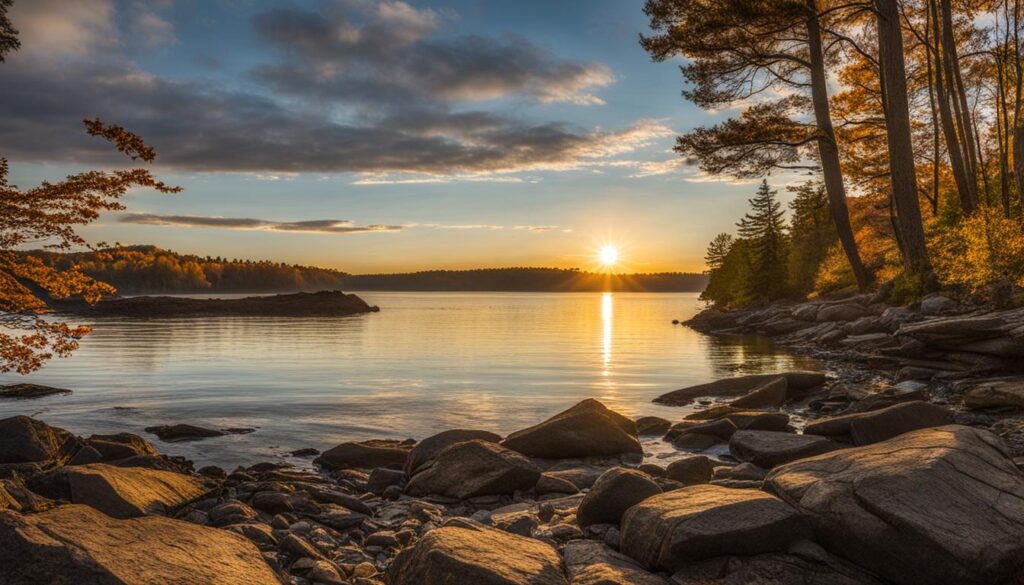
[318, 226]
[387, 99]
[152, 28]
[382, 53]
[52, 29]
[313, 226]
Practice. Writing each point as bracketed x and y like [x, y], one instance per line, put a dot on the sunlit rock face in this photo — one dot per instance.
[585, 430]
[930, 506]
[78, 541]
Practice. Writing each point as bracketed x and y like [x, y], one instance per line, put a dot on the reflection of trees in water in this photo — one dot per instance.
[752, 354]
[136, 345]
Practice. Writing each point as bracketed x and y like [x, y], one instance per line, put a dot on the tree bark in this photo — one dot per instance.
[829, 152]
[902, 173]
[954, 146]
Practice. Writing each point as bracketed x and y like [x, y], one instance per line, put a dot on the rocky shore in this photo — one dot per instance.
[890, 489]
[968, 356]
[318, 304]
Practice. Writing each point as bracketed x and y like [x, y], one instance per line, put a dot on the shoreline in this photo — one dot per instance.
[571, 500]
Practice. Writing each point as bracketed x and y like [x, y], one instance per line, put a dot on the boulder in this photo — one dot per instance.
[864, 428]
[722, 429]
[382, 478]
[796, 382]
[552, 484]
[585, 430]
[232, 512]
[937, 305]
[691, 470]
[427, 449]
[769, 448]
[770, 395]
[183, 432]
[1005, 393]
[26, 440]
[842, 312]
[128, 492]
[805, 563]
[613, 493]
[939, 505]
[365, 455]
[652, 425]
[670, 530]
[474, 468]
[465, 552]
[120, 446]
[77, 544]
[589, 562]
[24, 391]
[741, 472]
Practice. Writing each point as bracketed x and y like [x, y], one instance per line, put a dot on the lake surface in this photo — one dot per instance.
[425, 363]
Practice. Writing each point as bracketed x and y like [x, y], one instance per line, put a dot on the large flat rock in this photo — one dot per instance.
[670, 530]
[465, 552]
[587, 429]
[81, 546]
[129, 492]
[769, 448]
[941, 505]
[864, 428]
[1004, 393]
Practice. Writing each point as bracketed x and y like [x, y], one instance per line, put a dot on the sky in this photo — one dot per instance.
[373, 135]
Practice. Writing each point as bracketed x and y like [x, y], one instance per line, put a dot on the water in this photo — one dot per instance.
[425, 363]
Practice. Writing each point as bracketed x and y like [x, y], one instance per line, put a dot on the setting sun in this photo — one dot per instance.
[608, 255]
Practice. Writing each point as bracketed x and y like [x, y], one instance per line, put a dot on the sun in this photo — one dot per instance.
[608, 255]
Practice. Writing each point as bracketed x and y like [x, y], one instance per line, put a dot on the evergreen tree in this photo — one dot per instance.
[813, 233]
[765, 229]
[718, 249]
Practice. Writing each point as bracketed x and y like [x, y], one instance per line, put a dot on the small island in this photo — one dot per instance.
[331, 303]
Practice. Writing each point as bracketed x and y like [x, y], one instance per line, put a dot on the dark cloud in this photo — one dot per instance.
[353, 53]
[321, 226]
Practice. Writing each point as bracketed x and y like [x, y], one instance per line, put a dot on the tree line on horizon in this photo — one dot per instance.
[152, 270]
[906, 115]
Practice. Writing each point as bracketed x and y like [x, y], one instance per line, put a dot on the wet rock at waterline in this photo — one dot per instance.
[365, 455]
[796, 383]
[186, 432]
[28, 391]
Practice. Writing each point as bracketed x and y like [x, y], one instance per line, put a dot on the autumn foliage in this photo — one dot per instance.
[48, 215]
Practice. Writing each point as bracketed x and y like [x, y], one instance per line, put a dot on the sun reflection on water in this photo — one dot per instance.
[606, 337]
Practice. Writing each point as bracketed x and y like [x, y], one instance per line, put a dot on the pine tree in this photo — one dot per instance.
[812, 234]
[718, 249]
[765, 229]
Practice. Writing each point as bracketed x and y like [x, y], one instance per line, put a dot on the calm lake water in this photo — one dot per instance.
[426, 362]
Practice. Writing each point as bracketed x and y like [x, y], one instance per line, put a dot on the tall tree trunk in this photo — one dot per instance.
[902, 174]
[954, 146]
[959, 95]
[829, 152]
[1003, 135]
[933, 199]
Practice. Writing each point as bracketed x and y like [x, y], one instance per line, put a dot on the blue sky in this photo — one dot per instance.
[373, 135]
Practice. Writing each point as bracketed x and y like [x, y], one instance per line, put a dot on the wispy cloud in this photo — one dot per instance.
[313, 226]
[317, 226]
